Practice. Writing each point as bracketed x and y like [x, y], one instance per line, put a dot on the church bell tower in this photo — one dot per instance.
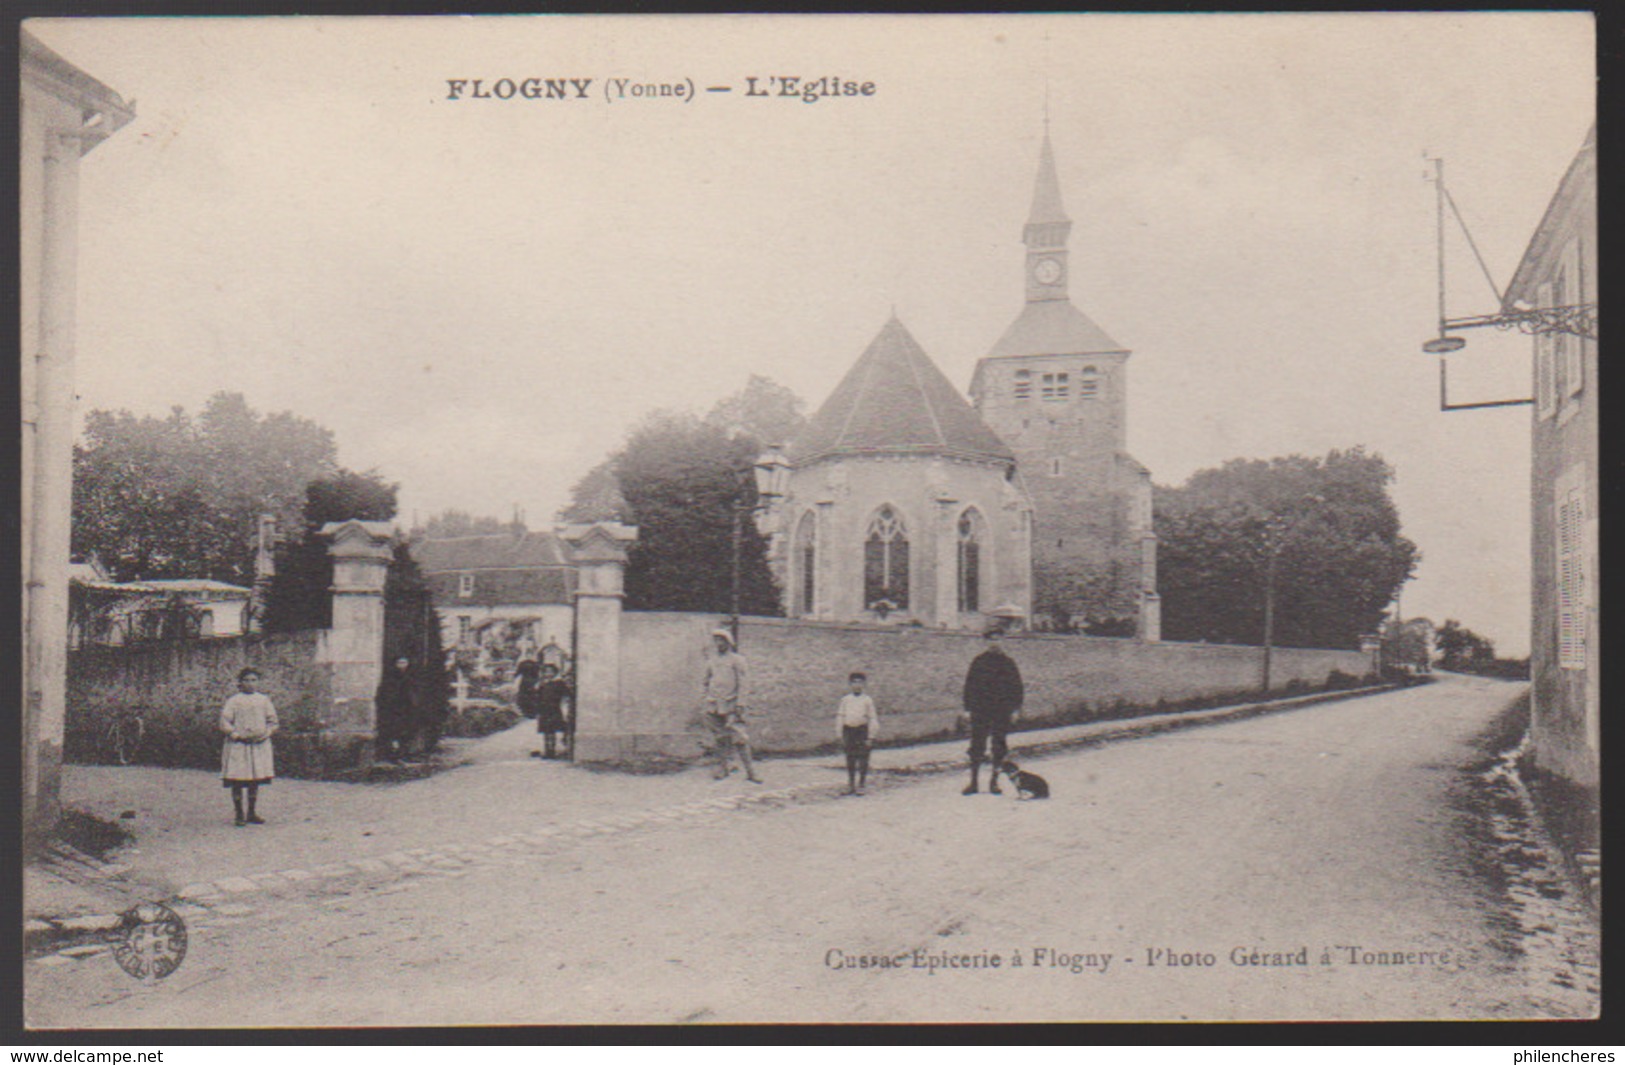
[1054, 388]
[1046, 234]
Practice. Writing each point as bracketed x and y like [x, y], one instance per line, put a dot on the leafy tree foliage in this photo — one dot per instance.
[299, 596]
[679, 479]
[683, 481]
[764, 413]
[181, 496]
[1462, 650]
[1406, 643]
[1326, 527]
[764, 410]
[597, 496]
[412, 631]
[449, 523]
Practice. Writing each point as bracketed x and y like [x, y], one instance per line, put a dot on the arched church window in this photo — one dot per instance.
[806, 556]
[1024, 384]
[1089, 383]
[885, 561]
[970, 562]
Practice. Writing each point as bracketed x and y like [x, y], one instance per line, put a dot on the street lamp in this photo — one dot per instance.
[770, 472]
[1276, 530]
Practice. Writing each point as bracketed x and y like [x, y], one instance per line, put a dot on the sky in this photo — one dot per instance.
[480, 296]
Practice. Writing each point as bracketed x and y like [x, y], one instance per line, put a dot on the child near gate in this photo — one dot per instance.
[248, 719]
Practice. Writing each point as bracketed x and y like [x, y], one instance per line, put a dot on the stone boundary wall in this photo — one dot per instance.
[798, 669]
[177, 689]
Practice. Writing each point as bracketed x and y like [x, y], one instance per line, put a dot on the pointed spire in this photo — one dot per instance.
[1047, 207]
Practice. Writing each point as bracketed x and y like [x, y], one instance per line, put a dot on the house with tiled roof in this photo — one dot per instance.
[908, 503]
[109, 613]
[523, 581]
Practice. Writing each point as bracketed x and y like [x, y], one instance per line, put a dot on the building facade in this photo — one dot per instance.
[1558, 275]
[64, 114]
[901, 504]
[907, 501]
[108, 613]
[523, 582]
[1055, 389]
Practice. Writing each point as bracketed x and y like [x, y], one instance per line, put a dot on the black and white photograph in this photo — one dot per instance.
[790, 519]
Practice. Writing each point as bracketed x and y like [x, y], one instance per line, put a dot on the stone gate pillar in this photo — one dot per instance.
[598, 552]
[354, 645]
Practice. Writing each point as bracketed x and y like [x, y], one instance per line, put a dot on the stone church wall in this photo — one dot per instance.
[798, 669]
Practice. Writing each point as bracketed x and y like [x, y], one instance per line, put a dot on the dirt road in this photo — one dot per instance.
[1324, 863]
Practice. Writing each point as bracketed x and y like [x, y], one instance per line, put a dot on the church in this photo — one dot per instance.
[906, 502]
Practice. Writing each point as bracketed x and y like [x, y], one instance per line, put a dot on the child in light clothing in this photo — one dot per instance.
[856, 725]
[248, 719]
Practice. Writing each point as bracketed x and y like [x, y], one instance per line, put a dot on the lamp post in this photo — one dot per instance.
[769, 473]
[1276, 530]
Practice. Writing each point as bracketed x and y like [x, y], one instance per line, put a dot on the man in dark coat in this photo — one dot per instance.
[396, 704]
[993, 695]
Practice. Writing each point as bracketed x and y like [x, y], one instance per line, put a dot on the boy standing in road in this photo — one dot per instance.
[856, 725]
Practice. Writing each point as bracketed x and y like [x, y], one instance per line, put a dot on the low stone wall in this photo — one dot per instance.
[177, 689]
[797, 671]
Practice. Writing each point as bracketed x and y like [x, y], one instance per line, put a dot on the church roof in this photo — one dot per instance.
[895, 400]
[1046, 191]
[1054, 327]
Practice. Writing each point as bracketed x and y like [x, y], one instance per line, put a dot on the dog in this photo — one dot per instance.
[1028, 785]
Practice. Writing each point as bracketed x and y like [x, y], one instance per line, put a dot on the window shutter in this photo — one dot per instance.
[1545, 386]
[1571, 587]
[1574, 371]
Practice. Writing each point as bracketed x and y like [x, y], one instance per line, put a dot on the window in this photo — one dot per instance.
[806, 556]
[465, 585]
[1024, 384]
[970, 563]
[885, 561]
[465, 625]
[1089, 383]
[1571, 583]
[1055, 467]
[1054, 386]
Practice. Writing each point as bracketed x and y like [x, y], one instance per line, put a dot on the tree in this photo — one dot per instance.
[764, 410]
[1325, 529]
[181, 496]
[1407, 644]
[1462, 650]
[449, 523]
[763, 413]
[299, 596]
[685, 480]
[412, 631]
[597, 496]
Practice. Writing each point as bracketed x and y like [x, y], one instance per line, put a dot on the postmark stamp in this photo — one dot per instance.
[151, 941]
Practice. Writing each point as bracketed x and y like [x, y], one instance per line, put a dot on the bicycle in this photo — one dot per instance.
[124, 735]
